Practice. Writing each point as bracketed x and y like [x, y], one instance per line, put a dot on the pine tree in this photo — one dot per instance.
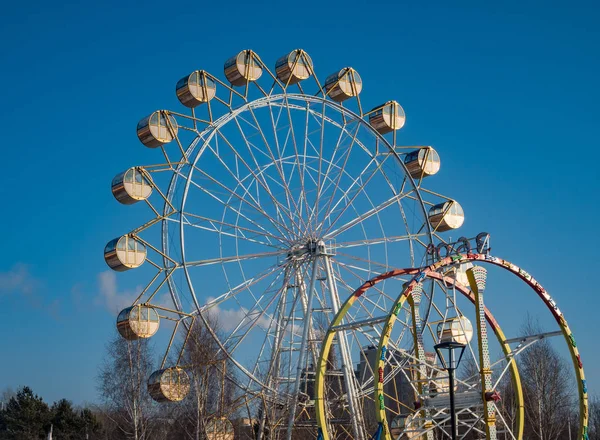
[66, 422]
[26, 417]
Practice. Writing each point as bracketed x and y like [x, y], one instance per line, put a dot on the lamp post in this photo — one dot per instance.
[450, 363]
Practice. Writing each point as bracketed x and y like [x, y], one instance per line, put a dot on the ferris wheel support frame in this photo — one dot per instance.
[303, 345]
[347, 370]
[355, 413]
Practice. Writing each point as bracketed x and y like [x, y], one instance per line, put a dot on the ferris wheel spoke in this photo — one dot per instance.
[239, 231]
[235, 175]
[360, 190]
[300, 157]
[232, 226]
[262, 184]
[317, 182]
[245, 285]
[310, 211]
[255, 127]
[231, 194]
[274, 360]
[366, 299]
[258, 317]
[234, 258]
[262, 171]
[376, 306]
[243, 202]
[320, 182]
[367, 271]
[294, 170]
[256, 305]
[259, 181]
[344, 197]
[262, 181]
[373, 241]
[383, 308]
[376, 210]
[291, 139]
[290, 198]
[254, 318]
[303, 173]
[313, 215]
[345, 157]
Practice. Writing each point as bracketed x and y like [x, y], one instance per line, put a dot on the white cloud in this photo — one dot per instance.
[18, 280]
[114, 300]
[109, 295]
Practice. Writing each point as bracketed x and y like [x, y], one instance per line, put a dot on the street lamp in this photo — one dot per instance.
[455, 334]
[450, 353]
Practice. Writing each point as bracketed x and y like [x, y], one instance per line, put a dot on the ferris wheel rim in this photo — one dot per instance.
[206, 135]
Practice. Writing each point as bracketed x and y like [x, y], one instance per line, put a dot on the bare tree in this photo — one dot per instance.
[122, 384]
[6, 394]
[507, 405]
[212, 392]
[547, 388]
[594, 421]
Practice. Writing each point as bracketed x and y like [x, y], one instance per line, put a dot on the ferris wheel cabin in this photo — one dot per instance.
[458, 329]
[460, 273]
[219, 428]
[157, 129]
[294, 67]
[344, 84]
[169, 385]
[387, 117]
[138, 322]
[242, 68]
[195, 89]
[423, 162]
[124, 253]
[406, 425]
[446, 216]
[131, 186]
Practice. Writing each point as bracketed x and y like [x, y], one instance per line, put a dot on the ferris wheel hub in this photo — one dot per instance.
[312, 248]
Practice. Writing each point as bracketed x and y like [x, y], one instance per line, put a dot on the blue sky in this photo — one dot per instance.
[506, 92]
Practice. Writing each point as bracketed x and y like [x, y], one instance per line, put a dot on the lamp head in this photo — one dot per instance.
[450, 353]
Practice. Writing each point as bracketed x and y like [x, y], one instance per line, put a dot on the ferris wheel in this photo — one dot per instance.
[275, 195]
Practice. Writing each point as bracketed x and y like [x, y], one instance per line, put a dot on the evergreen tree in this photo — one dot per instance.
[26, 417]
[90, 427]
[67, 425]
